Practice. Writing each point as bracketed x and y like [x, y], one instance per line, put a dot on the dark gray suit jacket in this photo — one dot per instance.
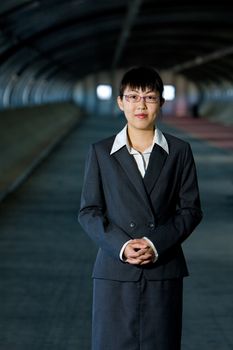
[117, 204]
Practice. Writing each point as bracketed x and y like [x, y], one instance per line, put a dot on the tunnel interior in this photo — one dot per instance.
[59, 51]
[55, 55]
[61, 62]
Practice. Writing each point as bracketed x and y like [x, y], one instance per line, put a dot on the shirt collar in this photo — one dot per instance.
[121, 140]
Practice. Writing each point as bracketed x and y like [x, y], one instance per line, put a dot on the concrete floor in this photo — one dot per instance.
[46, 259]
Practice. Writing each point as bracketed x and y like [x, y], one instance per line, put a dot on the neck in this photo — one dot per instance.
[140, 139]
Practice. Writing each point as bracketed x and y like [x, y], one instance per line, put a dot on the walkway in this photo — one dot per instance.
[46, 259]
[214, 133]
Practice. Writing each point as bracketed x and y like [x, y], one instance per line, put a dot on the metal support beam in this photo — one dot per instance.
[133, 9]
[199, 60]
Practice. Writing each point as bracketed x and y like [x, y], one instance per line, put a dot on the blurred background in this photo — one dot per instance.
[60, 67]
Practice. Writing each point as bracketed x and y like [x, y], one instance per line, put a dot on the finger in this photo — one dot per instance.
[139, 261]
[133, 261]
[131, 253]
[136, 247]
[136, 255]
[146, 257]
[142, 251]
[145, 262]
[139, 258]
[140, 243]
[145, 253]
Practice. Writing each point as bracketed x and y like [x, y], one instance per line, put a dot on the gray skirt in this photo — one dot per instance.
[143, 315]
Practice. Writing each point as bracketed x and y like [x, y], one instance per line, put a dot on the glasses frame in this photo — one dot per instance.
[139, 98]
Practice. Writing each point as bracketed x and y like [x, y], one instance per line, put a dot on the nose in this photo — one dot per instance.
[142, 103]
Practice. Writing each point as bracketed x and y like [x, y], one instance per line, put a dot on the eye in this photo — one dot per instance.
[152, 98]
[133, 97]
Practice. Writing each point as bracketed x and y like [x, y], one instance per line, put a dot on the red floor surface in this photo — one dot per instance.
[214, 133]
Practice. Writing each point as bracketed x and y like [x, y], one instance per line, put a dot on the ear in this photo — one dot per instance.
[120, 103]
[162, 101]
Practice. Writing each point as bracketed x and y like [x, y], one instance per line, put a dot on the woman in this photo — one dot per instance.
[140, 201]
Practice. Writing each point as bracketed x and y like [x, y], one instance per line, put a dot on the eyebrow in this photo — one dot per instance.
[146, 92]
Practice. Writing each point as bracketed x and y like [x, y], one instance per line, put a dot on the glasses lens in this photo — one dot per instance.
[151, 99]
[136, 98]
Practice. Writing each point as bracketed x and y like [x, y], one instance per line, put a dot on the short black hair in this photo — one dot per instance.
[142, 77]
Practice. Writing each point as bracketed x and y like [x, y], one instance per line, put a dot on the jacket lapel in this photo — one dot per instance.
[129, 165]
[157, 160]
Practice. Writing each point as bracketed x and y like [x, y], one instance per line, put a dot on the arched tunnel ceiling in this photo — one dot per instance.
[79, 37]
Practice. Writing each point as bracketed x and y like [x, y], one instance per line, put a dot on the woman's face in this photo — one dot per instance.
[141, 114]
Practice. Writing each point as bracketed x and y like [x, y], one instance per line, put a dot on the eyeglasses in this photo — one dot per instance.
[133, 98]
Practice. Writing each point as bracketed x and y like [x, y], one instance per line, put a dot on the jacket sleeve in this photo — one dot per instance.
[92, 217]
[188, 212]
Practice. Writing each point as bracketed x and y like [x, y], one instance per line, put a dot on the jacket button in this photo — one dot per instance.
[132, 224]
[151, 225]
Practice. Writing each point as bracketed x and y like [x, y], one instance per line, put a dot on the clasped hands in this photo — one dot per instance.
[138, 252]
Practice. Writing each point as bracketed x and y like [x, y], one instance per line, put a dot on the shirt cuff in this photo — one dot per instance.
[153, 247]
[122, 250]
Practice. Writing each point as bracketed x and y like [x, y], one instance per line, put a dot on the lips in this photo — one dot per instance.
[141, 115]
